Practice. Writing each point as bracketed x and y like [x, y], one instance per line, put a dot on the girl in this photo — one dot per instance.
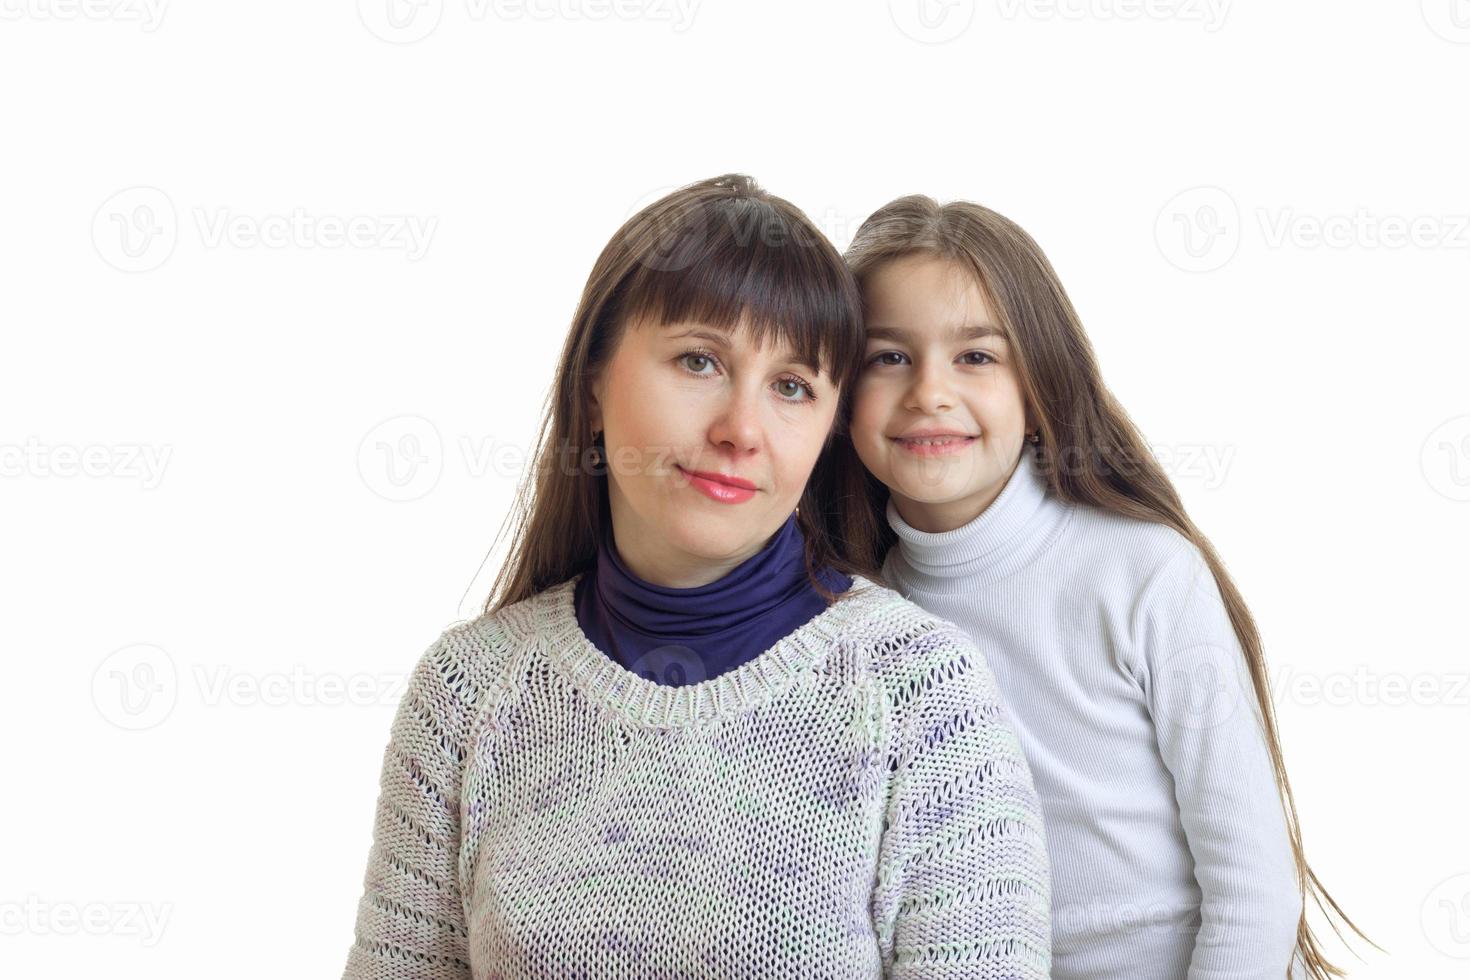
[1010, 493]
[686, 738]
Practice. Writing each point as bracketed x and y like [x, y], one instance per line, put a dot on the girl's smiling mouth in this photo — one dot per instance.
[934, 442]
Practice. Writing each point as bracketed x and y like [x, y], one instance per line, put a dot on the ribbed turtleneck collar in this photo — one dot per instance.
[749, 591]
[708, 629]
[1017, 526]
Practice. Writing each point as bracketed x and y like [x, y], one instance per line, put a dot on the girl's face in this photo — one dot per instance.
[937, 365]
[683, 399]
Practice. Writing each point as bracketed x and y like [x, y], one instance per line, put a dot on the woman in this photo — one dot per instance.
[687, 738]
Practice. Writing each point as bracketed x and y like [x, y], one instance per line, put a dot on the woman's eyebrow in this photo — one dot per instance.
[721, 340]
[973, 331]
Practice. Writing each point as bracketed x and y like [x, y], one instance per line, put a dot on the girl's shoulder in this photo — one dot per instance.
[1127, 551]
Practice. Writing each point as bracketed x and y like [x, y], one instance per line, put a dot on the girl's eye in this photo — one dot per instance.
[982, 358]
[802, 391]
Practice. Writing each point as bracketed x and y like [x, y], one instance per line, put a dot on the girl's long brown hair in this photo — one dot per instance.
[1090, 451]
[721, 252]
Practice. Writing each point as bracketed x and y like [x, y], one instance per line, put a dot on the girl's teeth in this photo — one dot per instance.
[935, 442]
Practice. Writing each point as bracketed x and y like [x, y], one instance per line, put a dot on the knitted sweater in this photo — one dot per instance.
[1125, 682]
[851, 803]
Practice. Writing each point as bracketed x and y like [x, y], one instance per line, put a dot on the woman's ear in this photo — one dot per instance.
[594, 403]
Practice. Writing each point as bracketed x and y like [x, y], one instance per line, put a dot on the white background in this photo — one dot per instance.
[245, 461]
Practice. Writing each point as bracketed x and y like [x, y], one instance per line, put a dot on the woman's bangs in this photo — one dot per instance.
[748, 266]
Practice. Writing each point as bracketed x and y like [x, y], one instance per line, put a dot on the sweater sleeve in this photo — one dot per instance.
[411, 919]
[1211, 738]
[963, 886]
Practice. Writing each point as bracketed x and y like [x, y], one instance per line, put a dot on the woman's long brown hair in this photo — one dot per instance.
[1091, 452]
[721, 252]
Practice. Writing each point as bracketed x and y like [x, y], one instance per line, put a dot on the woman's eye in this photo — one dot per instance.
[799, 390]
[803, 391]
[699, 359]
[978, 353]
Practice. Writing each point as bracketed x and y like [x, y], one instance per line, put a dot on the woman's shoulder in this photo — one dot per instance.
[904, 644]
[469, 658]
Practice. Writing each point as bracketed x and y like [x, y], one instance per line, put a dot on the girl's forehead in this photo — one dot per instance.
[914, 306]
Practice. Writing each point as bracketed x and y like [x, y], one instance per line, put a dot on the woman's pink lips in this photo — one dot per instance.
[948, 447]
[722, 492]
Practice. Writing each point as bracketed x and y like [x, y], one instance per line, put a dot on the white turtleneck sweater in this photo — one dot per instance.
[1115, 657]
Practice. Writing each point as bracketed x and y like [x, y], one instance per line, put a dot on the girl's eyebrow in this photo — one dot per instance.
[973, 331]
[723, 341]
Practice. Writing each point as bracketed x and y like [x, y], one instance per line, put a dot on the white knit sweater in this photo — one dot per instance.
[1124, 679]
[851, 803]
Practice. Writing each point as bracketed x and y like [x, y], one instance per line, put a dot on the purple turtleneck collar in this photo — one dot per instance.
[683, 636]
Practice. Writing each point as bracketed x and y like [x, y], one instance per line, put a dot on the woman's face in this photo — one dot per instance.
[683, 399]
[936, 364]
